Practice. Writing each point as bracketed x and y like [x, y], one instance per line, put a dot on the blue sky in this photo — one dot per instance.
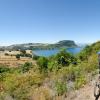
[49, 21]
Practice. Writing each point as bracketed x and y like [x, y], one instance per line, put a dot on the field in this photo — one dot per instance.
[9, 59]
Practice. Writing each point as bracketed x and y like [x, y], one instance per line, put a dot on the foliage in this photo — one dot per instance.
[18, 86]
[26, 67]
[6, 54]
[23, 55]
[60, 87]
[28, 55]
[35, 57]
[80, 81]
[88, 51]
[4, 69]
[42, 63]
[65, 58]
[23, 51]
[18, 56]
[62, 59]
[83, 55]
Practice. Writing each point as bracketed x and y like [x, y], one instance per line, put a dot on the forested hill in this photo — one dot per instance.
[60, 44]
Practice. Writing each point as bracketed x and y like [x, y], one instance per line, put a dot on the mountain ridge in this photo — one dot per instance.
[60, 44]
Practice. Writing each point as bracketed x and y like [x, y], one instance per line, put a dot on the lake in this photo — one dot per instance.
[47, 53]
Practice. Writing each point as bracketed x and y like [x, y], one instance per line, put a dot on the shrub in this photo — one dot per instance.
[51, 66]
[60, 87]
[19, 86]
[26, 67]
[23, 51]
[42, 63]
[23, 55]
[18, 56]
[35, 57]
[6, 54]
[80, 81]
[28, 55]
[4, 69]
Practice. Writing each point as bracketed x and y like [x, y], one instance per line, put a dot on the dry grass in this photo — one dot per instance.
[11, 61]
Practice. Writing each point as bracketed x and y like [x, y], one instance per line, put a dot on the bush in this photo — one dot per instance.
[18, 56]
[4, 69]
[23, 55]
[23, 51]
[80, 81]
[6, 54]
[61, 88]
[42, 63]
[28, 55]
[35, 57]
[26, 67]
[51, 66]
[19, 86]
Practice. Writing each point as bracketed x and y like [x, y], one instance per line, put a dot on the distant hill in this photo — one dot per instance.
[60, 44]
[67, 43]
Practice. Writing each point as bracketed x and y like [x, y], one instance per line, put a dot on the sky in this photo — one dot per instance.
[48, 21]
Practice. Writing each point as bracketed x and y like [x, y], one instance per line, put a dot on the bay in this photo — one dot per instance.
[50, 52]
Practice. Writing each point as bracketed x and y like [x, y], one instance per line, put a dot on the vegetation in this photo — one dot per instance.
[42, 63]
[6, 54]
[23, 55]
[50, 77]
[18, 56]
[61, 88]
[26, 67]
[35, 57]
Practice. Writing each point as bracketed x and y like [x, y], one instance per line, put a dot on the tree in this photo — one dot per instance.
[23, 51]
[18, 56]
[63, 57]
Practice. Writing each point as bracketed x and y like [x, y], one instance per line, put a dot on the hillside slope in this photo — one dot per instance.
[85, 93]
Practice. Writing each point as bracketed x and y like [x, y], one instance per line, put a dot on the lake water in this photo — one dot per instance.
[51, 52]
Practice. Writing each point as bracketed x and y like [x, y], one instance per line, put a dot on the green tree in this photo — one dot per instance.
[18, 56]
[64, 58]
[23, 51]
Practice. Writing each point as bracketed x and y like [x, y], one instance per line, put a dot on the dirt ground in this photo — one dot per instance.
[85, 93]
